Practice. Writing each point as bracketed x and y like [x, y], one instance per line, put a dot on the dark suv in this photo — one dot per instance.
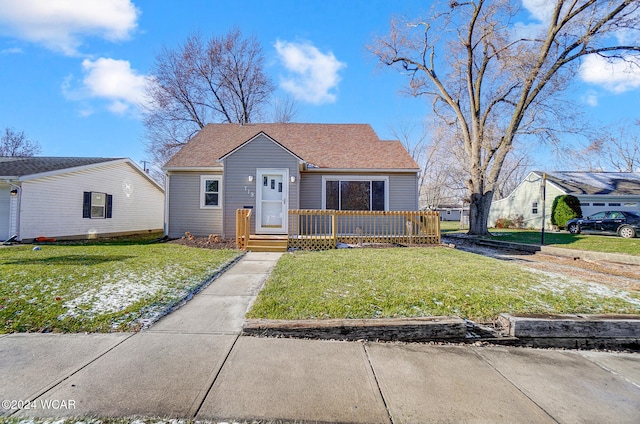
[623, 223]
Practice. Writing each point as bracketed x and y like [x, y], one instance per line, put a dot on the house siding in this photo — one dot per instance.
[606, 203]
[261, 152]
[521, 200]
[52, 206]
[403, 189]
[184, 212]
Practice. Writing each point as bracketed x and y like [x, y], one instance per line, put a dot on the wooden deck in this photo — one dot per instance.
[324, 229]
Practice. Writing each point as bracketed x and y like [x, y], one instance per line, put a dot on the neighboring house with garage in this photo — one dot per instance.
[272, 169]
[76, 198]
[597, 191]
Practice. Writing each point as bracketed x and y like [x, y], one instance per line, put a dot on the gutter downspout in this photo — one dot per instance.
[166, 203]
[15, 218]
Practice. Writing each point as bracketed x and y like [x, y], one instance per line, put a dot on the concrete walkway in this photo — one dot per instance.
[194, 364]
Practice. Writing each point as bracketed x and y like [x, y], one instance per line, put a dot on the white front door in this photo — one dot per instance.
[272, 188]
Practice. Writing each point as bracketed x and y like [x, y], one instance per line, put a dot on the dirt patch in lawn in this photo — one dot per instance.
[213, 241]
[618, 276]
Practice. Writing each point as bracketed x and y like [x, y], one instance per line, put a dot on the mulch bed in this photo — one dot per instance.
[212, 242]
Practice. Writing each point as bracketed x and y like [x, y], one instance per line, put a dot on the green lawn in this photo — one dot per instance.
[415, 282]
[97, 287]
[608, 244]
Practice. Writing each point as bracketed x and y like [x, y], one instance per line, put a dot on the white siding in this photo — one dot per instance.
[52, 206]
[521, 200]
[608, 203]
[184, 209]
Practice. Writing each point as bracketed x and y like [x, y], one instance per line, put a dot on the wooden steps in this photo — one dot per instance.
[267, 243]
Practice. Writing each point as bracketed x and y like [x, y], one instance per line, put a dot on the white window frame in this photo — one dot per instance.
[339, 178]
[103, 206]
[203, 184]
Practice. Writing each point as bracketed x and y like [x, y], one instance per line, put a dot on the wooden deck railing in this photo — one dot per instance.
[324, 229]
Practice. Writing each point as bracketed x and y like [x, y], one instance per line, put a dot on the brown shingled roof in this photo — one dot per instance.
[337, 146]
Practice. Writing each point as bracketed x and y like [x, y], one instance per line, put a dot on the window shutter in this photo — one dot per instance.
[109, 205]
[86, 205]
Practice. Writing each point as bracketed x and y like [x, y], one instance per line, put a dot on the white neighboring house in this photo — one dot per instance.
[597, 191]
[76, 198]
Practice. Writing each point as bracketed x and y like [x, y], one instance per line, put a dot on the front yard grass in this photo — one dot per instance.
[98, 287]
[417, 282]
[594, 243]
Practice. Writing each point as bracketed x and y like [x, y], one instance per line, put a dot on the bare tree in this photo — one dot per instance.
[619, 152]
[515, 168]
[284, 110]
[16, 143]
[200, 82]
[434, 151]
[496, 83]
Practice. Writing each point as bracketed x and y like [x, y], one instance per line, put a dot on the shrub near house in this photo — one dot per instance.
[516, 222]
[564, 208]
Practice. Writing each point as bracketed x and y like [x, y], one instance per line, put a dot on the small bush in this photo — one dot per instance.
[564, 208]
[518, 222]
[504, 223]
[511, 222]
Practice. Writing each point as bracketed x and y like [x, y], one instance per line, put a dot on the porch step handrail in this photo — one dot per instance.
[243, 228]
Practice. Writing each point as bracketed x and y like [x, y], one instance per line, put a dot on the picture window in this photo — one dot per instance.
[351, 194]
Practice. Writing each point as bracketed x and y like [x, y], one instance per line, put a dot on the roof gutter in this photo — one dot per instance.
[359, 170]
[193, 168]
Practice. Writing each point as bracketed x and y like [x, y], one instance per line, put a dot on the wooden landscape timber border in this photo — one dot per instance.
[609, 331]
[311, 229]
[615, 332]
[383, 329]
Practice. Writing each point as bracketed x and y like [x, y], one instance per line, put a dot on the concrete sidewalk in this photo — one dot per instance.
[194, 364]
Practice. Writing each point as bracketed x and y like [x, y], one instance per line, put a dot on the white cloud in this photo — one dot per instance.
[616, 76]
[540, 10]
[312, 74]
[540, 13]
[590, 98]
[61, 25]
[11, 50]
[112, 80]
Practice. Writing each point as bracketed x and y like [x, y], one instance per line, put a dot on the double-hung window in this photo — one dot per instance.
[350, 193]
[97, 205]
[210, 194]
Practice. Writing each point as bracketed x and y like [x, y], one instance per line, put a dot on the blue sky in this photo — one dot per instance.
[73, 72]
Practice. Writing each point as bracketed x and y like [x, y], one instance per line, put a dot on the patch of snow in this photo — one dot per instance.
[110, 297]
[606, 181]
[559, 285]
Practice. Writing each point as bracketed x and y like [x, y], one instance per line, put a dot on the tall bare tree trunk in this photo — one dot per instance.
[496, 83]
[479, 213]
